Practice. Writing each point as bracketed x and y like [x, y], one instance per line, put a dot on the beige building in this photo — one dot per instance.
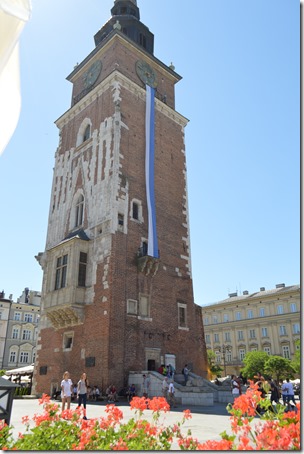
[267, 320]
[21, 332]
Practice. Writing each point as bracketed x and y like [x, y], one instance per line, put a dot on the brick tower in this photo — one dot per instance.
[117, 289]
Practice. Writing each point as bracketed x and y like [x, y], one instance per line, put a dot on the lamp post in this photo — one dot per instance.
[224, 349]
[7, 390]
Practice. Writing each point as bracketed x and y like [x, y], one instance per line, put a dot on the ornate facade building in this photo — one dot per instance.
[21, 319]
[267, 320]
[117, 288]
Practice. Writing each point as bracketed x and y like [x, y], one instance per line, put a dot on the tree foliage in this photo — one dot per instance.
[214, 368]
[296, 362]
[254, 362]
[279, 367]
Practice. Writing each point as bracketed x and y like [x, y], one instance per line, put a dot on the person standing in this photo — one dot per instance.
[288, 389]
[66, 390]
[165, 387]
[186, 371]
[171, 394]
[82, 389]
[146, 385]
[235, 387]
[274, 392]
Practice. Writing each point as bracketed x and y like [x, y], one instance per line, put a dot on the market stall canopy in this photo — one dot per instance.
[26, 370]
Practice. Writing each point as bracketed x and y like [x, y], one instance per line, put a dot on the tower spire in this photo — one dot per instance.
[126, 19]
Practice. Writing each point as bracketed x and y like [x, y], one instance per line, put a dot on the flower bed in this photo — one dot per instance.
[55, 430]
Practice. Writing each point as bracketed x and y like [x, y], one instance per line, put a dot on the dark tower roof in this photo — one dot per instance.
[126, 18]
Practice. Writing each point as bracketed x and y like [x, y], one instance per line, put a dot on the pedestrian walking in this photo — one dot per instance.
[82, 390]
[66, 390]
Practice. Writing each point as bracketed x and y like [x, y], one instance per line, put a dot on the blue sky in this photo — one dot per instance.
[240, 63]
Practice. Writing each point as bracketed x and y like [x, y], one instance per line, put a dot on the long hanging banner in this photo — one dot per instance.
[152, 232]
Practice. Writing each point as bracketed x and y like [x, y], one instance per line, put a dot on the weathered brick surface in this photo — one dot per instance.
[116, 340]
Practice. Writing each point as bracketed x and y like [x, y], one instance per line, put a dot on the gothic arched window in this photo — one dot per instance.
[87, 133]
[79, 211]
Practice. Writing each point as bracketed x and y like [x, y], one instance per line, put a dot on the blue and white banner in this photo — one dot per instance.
[152, 232]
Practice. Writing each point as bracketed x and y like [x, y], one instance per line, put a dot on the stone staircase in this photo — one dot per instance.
[197, 391]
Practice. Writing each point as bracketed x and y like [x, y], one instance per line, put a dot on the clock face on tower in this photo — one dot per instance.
[92, 74]
[146, 73]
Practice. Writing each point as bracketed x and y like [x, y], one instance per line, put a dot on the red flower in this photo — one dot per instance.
[158, 403]
[187, 414]
[139, 403]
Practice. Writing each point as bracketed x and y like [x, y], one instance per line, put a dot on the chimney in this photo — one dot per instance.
[280, 285]
[245, 292]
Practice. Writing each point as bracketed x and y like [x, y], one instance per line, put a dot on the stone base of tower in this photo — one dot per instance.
[198, 392]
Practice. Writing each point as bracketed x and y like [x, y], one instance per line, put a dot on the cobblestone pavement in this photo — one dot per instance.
[207, 422]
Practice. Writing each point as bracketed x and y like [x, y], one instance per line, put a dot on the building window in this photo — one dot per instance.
[26, 334]
[227, 337]
[252, 333]
[12, 357]
[144, 306]
[79, 208]
[182, 315]
[262, 312]
[242, 354]
[87, 133]
[135, 211]
[206, 321]
[68, 341]
[253, 349]
[238, 316]
[280, 309]
[24, 357]
[286, 351]
[28, 318]
[0, 315]
[82, 270]
[264, 332]
[17, 316]
[226, 317]
[218, 358]
[132, 307]
[293, 307]
[61, 272]
[15, 334]
[240, 335]
[216, 337]
[215, 319]
[296, 328]
[283, 330]
[120, 221]
[142, 40]
[250, 313]
[267, 350]
[207, 338]
[228, 357]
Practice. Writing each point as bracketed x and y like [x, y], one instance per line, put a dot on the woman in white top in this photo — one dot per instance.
[66, 390]
[82, 389]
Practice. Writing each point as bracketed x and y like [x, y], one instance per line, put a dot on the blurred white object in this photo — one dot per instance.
[13, 16]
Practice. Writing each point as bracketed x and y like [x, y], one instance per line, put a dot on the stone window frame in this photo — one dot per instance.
[139, 204]
[182, 308]
[132, 310]
[82, 135]
[67, 341]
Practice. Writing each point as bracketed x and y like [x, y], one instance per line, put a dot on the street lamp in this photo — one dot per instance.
[7, 390]
[224, 349]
